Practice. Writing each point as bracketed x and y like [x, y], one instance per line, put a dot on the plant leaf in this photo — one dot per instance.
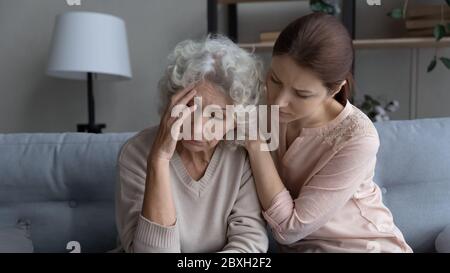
[448, 2]
[396, 13]
[366, 106]
[432, 64]
[316, 5]
[446, 61]
[439, 32]
[321, 6]
[368, 98]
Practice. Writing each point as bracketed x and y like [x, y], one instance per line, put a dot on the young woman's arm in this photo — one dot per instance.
[267, 180]
[328, 191]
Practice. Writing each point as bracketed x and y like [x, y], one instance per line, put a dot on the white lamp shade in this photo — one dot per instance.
[89, 42]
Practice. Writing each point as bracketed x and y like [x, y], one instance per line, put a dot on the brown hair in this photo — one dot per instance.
[320, 42]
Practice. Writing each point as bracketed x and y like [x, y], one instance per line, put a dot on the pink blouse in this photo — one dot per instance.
[331, 203]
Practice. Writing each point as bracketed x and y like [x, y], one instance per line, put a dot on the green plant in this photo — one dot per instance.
[326, 6]
[439, 31]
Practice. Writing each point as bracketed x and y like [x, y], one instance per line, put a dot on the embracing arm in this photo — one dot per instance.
[267, 180]
[326, 193]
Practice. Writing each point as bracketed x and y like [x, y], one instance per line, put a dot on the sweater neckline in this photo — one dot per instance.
[206, 179]
[284, 151]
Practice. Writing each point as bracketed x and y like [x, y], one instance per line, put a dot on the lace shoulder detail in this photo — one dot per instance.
[356, 124]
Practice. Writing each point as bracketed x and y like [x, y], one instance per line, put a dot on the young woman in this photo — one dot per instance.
[317, 189]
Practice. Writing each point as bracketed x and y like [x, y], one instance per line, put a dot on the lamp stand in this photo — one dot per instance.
[91, 127]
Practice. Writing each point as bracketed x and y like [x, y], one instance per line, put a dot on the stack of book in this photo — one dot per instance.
[421, 19]
[268, 37]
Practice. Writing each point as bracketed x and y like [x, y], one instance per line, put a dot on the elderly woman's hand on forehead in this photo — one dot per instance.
[165, 141]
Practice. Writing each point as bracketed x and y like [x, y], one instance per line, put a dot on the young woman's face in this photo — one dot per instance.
[296, 90]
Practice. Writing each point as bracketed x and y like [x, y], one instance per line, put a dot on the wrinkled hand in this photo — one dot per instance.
[165, 143]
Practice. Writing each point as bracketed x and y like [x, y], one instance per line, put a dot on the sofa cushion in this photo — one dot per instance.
[64, 185]
[16, 239]
[414, 176]
[442, 242]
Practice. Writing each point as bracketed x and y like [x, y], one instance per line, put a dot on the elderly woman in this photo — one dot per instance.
[193, 195]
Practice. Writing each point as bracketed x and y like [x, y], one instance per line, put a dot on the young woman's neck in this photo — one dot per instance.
[328, 111]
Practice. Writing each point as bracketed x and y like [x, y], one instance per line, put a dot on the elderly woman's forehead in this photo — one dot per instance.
[211, 94]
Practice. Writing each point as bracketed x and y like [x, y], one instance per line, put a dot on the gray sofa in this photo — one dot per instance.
[62, 185]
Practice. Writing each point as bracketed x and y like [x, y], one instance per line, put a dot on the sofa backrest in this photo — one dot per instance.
[63, 186]
[413, 171]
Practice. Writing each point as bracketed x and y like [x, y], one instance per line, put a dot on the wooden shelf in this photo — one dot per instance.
[226, 2]
[257, 46]
[401, 43]
[372, 43]
[348, 17]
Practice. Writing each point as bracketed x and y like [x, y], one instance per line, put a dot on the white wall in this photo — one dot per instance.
[32, 102]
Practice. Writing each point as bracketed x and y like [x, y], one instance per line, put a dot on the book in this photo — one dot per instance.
[433, 11]
[425, 23]
[268, 36]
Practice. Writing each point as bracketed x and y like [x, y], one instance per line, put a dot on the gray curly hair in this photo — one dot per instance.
[218, 60]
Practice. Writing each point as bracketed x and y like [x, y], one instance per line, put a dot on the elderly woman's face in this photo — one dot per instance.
[212, 99]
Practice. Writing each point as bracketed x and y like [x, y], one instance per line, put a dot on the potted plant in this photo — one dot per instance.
[440, 30]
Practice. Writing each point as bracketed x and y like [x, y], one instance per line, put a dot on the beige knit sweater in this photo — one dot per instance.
[220, 212]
